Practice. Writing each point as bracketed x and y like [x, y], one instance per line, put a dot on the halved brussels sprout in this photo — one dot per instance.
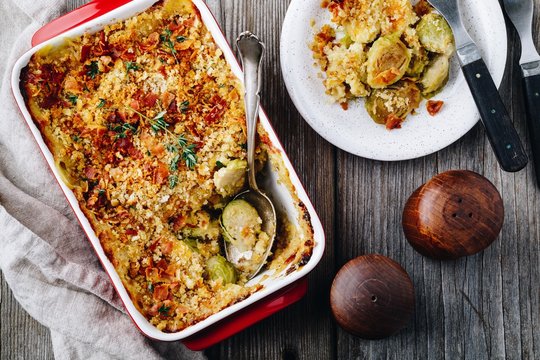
[419, 60]
[230, 179]
[435, 34]
[435, 76]
[241, 224]
[219, 268]
[398, 100]
[387, 61]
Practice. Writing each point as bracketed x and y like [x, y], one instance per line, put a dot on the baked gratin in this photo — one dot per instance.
[386, 51]
[145, 121]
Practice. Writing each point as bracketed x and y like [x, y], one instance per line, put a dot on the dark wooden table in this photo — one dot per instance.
[483, 307]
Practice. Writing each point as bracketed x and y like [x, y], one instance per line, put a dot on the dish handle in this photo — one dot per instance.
[246, 317]
[74, 18]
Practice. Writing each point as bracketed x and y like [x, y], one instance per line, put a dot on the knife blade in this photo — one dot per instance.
[521, 14]
[501, 133]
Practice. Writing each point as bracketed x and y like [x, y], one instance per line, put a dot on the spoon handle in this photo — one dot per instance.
[251, 51]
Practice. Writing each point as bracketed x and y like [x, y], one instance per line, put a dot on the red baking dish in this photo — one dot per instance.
[277, 293]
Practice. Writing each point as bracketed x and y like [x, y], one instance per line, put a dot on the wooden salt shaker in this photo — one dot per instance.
[457, 213]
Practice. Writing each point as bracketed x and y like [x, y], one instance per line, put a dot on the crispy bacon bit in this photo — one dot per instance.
[167, 247]
[161, 292]
[393, 122]
[102, 47]
[150, 100]
[325, 37]
[151, 42]
[290, 258]
[90, 173]
[345, 106]
[134, 268]
[173, 108]
[265, 139]
[131, 232]
[135, 105]
[72, 85]
[422, 8]
[178, 222]
[161, 174]
[434, 106]
[162, 264]
[217, 111]
[166, 99]
[85, 52]
[154, 310]
[53, 80]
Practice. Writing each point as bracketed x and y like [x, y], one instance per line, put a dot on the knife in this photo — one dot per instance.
[521, 14]
[500, 131]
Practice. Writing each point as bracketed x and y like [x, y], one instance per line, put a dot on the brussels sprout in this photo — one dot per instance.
[435, 34]
[241, 224]
[398, 100]
[419, 60]
[192, 243]
[231, 179]
[435, 76]
[387, 61]
[219, 268]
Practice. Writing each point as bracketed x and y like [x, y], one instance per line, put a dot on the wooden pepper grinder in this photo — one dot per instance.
[455, 214]
[372, 296]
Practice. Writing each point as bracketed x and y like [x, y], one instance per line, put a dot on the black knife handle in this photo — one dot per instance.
[501, 133]
[531, 86]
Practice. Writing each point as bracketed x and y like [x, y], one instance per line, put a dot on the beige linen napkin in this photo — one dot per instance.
[44, 255]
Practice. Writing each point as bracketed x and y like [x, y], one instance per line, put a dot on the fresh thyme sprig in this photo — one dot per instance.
[166, 39]
[158, 123]
[121, 130]
[93, 69]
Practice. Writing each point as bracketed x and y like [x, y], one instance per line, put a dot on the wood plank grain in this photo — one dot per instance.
[21, 337]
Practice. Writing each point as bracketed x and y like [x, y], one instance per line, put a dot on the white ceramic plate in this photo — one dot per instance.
[353, 130]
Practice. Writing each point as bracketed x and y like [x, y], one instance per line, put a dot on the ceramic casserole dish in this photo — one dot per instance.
[277, 287]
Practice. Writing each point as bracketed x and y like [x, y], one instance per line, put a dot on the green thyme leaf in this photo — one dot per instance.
[131, 65]
[101, 103]
[75, 138]
[182, 141]
[164, 310]
[73, 99]
[219, 164]
[173, 181]
[93, 70]
[184, 106]
[171, 148]
[174, 163]
[166, 40]
[180, 38]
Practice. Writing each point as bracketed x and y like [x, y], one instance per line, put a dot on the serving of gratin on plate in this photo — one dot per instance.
[386, 51]
[145, 123]
[356, 68]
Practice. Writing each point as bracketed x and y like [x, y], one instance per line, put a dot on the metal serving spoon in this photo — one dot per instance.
[251, 52]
